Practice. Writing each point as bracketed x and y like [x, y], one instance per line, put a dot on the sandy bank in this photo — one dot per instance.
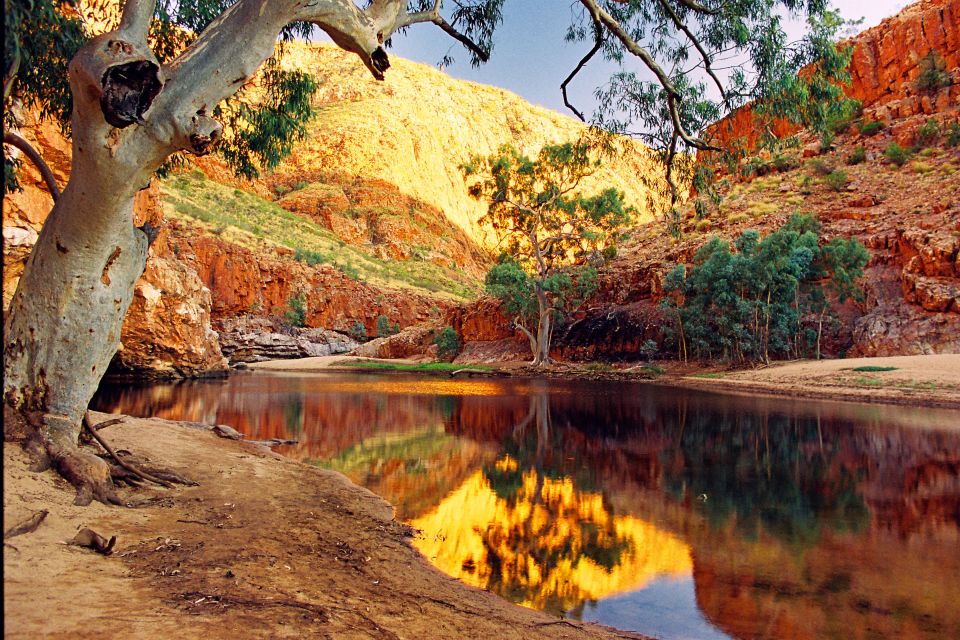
[264, 548]
[928, 380]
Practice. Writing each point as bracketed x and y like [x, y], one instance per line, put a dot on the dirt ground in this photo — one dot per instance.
[264, 547]
[929, 380]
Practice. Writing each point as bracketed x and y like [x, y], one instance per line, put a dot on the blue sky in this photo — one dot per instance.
[531, 58]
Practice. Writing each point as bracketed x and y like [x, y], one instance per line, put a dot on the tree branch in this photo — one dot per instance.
[136, 18]
[599, 15]
[696, 43]
[598, 42]
[482, 54]
[14, 140]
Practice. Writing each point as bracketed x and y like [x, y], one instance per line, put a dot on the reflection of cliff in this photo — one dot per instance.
[546, 544]
[414, 470]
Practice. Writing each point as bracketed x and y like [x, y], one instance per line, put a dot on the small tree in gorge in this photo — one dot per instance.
[547, 225]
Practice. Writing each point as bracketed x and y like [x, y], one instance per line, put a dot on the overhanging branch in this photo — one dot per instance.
[673, 96]
[598, 43]
[14, 140]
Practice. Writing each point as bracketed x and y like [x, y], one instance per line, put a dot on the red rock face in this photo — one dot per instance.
[242, 282]
[884, 69]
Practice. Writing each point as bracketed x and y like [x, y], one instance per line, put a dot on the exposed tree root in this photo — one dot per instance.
[93, 540]
[27, 526]
[130, 469]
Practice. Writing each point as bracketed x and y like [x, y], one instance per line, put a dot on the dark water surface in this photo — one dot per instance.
[676, 513]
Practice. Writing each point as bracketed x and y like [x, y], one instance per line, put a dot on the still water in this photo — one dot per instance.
[676, 513]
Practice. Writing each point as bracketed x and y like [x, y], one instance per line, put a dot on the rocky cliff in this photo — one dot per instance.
[884, 69]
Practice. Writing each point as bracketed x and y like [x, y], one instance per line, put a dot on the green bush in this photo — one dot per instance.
[933, 73]
[896, 154]
[448, 343]
[785, 163]
[358, 330]
[927, 134]
[384, 328]
[837, 180]
[821, 166]
[762, 296]
[649, 349]
[312, 258]
[871, 128]
[953, 135]
[859, 155]
[756, 167]
[296, 314]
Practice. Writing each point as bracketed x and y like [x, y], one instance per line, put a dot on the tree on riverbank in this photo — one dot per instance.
[550, 232]
[159, 81]
[764, 296]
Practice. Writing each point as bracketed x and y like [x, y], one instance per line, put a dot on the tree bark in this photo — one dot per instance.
[541, 354]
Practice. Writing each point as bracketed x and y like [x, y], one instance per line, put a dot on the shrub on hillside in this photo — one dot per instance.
[296, 314]
[871, 128]
[953, 135]
[384, 328]
[896, 154]
[859, 155]
[927, 134]
[448, 343]
[837, 180]
[358, 330]
[933, 73]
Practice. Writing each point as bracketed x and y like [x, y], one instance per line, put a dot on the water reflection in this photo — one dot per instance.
[671, 512]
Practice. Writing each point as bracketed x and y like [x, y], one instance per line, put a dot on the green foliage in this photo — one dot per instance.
[837, 180]
[953, 135]
[296, 314]
[933, 73]
[312, 258]
[39, 39]
[872, 368]
[858, 156]
[649, 349]
[871, 128]
[551, 231]
[785, 163]
[358, 330]
[896, 154]
[750, 300]
[384, 328]
[448, 343]
[821, 166]
[927, 134]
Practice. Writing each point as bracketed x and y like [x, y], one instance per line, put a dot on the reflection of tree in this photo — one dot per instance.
[769, 471]
[293, 415]
[552, 531]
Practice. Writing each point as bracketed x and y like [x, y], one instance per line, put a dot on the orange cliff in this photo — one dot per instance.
[884, 68]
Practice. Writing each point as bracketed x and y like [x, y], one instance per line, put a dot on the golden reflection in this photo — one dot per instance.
[542, 543]
[424, 387]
